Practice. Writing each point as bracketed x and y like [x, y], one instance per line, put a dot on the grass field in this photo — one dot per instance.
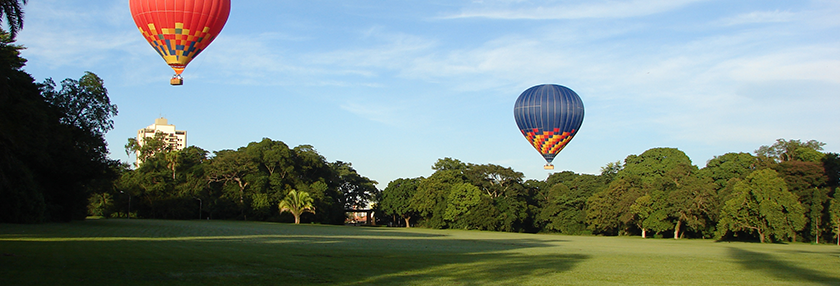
[158, 252]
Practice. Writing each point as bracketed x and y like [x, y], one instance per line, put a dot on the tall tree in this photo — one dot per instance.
[495, 180]
[432, 192]
[462, 198]
[608, 211]
[801, 176]
[148, 147]
[792, 150]
[653, 163]
[802, 179]
[610, 171]
[691, 200]
[831, 164]
[13, 12]
[727, 166]
[358, 190]
[396, 198]
[762, 205]
[651, 213]
[562, 207]
[230, 166]
[275, 158]
[815, 207]
[83, 103]
[22, 146]
[449, 164]
[153, 184]
[296, 203]
[834, 216]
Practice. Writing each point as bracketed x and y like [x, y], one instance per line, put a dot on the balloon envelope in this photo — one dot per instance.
[549, 116]
[179, 30]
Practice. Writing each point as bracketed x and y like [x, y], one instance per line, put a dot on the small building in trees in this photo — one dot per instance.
[174, 139]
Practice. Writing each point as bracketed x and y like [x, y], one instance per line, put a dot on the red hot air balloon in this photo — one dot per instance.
[179, 30]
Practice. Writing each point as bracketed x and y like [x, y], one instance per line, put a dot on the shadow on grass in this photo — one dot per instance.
[244, 253]
[763, 262]
[480, 269]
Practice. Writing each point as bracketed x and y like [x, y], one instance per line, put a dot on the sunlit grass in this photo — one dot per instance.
[142, 252]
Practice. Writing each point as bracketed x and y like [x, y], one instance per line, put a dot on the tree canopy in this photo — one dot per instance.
[53, 154]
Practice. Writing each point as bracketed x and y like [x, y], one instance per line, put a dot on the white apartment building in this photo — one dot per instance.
[174, 138]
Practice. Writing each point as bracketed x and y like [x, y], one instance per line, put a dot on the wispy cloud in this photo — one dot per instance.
[803, 63]
[384, 50]
[758, 17]
[375, 112]
[581, 10]
[55, 43]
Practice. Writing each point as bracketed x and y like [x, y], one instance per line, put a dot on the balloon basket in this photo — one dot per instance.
[548, 167]
[176, 80]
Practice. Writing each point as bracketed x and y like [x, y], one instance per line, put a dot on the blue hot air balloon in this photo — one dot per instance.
[549, 116]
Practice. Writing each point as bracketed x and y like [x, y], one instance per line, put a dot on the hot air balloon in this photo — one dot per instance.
[179, 30]
[549, 116]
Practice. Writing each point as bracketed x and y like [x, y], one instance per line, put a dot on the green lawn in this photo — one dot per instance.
[143, 252]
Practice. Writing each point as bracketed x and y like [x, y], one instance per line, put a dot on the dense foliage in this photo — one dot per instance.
[52, 145]
[786, 193]
[250, 183]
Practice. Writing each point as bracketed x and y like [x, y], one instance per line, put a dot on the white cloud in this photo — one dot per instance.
[582, 10]
[375, 112]
[802, 63]
[758, 17]
[385, 50]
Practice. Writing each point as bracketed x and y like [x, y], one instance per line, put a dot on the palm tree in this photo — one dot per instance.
[297, 203]
[13, 10]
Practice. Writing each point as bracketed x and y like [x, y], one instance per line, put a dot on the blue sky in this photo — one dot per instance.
[393, 86]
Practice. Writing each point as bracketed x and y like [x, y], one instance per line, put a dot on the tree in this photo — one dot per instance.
[816, 203]
[462, 198]
[834, 215]
[22, 146]
[230, 166]
[763, 205]
[152, 183]
[651, 213]
[802, 179]
[831, 164]
[494, 180]
[396, 198]
[48, 165]
[610, 171]
[653, 163]
[275, 158]
[507, 197]
[448, 164]
[801, 176]
[430, 199]
[727, 166]
[793, 150]
[562, 207]
[148, 147]
[13, 11]
[83, 103]
[692, 200]
[358, 190]
[296, 203]
[679, 199]
[608, 211]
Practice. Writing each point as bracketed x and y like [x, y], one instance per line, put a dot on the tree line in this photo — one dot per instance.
[248, 184]
[785, 192]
